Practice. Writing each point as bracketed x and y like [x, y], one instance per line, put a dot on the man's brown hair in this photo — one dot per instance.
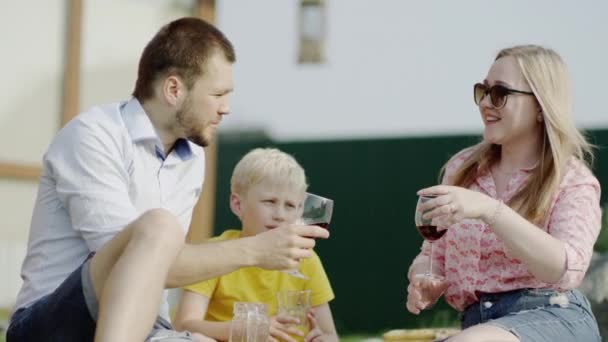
[180, 48]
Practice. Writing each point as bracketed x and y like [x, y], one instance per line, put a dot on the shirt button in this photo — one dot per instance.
[487, 304]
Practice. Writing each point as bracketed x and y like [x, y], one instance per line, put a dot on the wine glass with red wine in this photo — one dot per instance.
[429, 232]
[316, 211]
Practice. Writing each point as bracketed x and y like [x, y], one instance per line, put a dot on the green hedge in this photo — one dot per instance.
[602, 241]
[373, 239]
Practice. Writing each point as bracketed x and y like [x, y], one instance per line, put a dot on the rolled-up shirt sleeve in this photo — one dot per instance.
[576, 221]
[91, 178]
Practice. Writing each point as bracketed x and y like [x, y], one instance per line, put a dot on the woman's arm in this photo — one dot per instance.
[543, 254]
[190, 315]
[560, 256]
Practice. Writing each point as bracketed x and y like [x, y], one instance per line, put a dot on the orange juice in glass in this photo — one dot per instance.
[295, 304]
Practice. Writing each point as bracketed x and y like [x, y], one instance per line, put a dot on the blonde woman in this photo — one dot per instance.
[521, 211]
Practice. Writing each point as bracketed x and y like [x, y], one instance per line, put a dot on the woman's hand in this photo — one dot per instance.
[454, 204]
[424, 293]
[281, 326]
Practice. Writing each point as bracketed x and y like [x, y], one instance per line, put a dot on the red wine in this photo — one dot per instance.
[322, 224]
[430, 232]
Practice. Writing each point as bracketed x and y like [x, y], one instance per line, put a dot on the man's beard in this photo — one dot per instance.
[186, 123]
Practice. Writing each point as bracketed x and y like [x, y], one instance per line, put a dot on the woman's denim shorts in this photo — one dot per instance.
[535, 315]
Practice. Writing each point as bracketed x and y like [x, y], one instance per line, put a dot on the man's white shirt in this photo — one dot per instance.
[103, 169]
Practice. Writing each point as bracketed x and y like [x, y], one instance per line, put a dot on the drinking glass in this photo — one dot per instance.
[316, 210]
[429, 232]
[249, 323]
[295, 304]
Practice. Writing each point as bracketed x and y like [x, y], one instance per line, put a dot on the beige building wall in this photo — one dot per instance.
[33, 38]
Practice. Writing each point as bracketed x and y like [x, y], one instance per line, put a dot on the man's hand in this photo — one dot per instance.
[283, 247]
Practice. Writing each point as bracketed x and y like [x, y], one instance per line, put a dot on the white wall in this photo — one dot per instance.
[400, 67]
[115, 33]
[16, 200]
[33, 38]
[31, 56]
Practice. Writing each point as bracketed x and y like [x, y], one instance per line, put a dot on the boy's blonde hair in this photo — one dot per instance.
[268, 164]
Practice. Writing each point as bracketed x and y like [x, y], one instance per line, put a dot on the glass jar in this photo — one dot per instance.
[249, 323]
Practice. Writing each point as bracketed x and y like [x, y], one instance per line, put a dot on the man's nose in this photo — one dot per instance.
[224, 108]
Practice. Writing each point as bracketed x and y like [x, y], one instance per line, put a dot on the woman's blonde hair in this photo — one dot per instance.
[547, 76]
[268, 164]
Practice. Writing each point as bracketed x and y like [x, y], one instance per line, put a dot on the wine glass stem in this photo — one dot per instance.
[431, 261]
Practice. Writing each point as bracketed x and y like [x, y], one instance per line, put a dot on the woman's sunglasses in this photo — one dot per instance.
[498, 94]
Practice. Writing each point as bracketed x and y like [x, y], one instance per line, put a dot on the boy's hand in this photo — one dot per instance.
[281, 326]
[315, 334]
[202, 338]
[283, 247]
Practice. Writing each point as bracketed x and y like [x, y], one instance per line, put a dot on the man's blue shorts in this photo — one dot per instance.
[62, 315]
[69, 314]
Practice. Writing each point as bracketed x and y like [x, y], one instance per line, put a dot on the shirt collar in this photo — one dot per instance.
[183, 148]
[137, 121]
[485, 180]
[140, 129]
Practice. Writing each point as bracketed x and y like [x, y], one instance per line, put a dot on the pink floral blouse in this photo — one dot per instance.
[473, 259]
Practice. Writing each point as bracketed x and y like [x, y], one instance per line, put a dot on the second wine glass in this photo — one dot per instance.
[429, 232]
[317, 211]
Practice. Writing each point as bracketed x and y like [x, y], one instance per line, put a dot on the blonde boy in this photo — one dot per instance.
[268, 188]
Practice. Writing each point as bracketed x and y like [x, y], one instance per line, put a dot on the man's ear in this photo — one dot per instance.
[236, 204]
[173, 90]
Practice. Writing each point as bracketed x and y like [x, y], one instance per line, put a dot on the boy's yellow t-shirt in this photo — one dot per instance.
[253, 284]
